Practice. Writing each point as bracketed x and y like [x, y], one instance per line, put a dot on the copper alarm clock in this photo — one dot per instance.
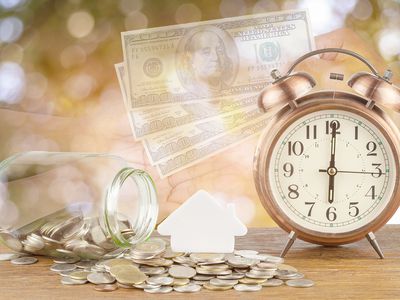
[327, 166]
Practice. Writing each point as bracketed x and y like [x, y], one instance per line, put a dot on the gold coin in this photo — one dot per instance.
[130, 275]
[116, 269]
[247, 280]
[180, 281]
[79, 275]
[211, 287]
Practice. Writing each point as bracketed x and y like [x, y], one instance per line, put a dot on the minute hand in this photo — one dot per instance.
[331, 192]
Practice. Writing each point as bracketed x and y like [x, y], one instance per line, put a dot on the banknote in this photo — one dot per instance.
[198, 62]
[211, 147]
[150, 121]
[172, 142]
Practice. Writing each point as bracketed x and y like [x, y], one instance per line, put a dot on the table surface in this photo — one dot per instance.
[347, 272]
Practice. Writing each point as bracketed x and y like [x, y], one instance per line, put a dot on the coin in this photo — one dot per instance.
[180, 281]
[66, 260]
[62, 267]
[242, 262]
[160, 290]
[8, 256]
[100, 278]
[146, 286]
[188, 288]
[106, 287]
[171, 254]
[207, 257]
[182, 272]
[247, 288]
[302, 283]
[211, 287]
[222, 282]
[272, 282]
[25, 260]
[83, 264]
[70, 281]
[125, 286]
[287, 274]
[286, 267]
[247, 280]
[231, 276]
[153, 270]
[245, 252]
[160, 280]
[129, 275]
[203, 277]
[79, 275]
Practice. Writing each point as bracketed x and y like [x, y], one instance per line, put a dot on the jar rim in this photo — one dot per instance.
[148, 207]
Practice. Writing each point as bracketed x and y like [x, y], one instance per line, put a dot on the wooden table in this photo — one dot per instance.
[347, 272]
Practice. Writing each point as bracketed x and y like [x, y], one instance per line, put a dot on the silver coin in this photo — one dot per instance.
[8, 256]
[146, 286]
[247, 287]
[302, 283]
[106, 287]
[222, 282]
[153, 270]
[188, 288]
[182, 272]
[160, 280]
[70, 281]
[65, 273]
[84, 264]
[160, 290]
[231, 276]
[100, 278]
[272, 282]
[203, 277]
[245, 252]
[207, 257]
[66, 260]
[287, 274]
[26, 260]
[62, 267]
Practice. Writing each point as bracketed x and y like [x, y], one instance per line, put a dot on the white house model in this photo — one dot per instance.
[201, 224]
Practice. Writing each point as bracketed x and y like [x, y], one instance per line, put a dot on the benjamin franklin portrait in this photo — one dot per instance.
[207, 61]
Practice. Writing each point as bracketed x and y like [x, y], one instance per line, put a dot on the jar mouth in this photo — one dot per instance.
[144, 223]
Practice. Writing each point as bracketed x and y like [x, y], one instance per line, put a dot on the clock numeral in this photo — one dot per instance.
[328, 126]
[293, 191]
[296, 148]
[354, 211]
[371, 193]
[371, 147]
[379, 173]
[288, 169]
[308, 132]
[331, 214]
[311, 207]
[356, 132]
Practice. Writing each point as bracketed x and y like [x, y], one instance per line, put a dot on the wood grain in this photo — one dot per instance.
[347, 272]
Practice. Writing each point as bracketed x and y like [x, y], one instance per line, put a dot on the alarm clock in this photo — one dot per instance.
[326, 167]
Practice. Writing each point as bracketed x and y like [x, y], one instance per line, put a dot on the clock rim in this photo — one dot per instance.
[280, 122]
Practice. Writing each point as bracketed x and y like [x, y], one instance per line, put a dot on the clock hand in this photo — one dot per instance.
[332, 168]
[349, 172]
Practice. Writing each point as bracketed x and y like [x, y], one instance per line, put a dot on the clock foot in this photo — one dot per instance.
[289, 243]
[374, 243]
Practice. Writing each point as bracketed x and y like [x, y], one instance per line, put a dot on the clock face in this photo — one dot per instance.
[332, 171]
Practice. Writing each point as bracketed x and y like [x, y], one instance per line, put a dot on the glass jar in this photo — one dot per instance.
[82, 205]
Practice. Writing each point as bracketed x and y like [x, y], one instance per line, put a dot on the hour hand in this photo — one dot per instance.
[331, 192]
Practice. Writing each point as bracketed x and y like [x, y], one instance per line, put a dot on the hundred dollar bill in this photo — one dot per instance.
[170, 143]
[211, 147]
[218, 58]
[150, 121]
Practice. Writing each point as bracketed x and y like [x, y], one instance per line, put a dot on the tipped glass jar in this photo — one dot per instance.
[76, 205]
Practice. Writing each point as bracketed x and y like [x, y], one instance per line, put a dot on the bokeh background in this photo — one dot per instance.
[58, 89]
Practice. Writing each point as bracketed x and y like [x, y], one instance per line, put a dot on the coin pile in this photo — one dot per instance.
[154, 268]
[65, 234]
